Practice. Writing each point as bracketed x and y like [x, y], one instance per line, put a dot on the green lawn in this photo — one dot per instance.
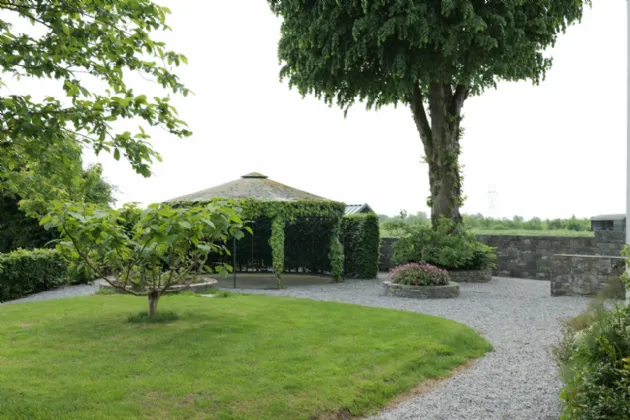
[240, 357]
[517, 232]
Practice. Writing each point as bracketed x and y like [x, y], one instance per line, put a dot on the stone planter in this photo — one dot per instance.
[471, 276]
[450, 290]
[203, 285]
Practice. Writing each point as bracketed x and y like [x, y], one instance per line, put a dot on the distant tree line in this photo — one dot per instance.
[480, 222]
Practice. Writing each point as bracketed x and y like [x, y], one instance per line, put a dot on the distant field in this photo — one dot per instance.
[524, 232]
[520, 232]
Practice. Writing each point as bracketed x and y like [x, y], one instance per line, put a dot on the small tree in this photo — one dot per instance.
[427, 54]
[146, 252]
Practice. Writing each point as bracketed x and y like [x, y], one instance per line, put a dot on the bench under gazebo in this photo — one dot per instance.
[293, 231]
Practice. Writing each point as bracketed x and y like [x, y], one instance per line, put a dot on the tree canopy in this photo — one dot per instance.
[19, 224]
[148, 252]
[427, 54]
[73, 42]
[379, 51]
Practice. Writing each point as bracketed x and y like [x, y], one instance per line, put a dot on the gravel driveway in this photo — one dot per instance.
[521, 320]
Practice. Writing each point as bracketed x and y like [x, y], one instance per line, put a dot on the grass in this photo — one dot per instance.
[517, 232]
[242, 357]
[162, 317]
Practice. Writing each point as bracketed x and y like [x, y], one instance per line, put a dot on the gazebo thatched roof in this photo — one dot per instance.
[253, 185]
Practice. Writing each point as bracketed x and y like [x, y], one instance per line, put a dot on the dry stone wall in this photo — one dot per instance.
[585, 275]
[530, 257]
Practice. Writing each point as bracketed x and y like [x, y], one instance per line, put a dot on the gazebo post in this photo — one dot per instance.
[277, 247]
[336, 250]
[234, 260]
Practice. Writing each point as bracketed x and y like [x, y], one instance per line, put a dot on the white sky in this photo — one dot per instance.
[550, 151]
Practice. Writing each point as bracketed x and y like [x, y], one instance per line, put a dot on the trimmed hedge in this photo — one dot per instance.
[23, 272]
[362, 243]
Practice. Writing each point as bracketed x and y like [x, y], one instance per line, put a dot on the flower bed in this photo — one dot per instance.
[420, 281]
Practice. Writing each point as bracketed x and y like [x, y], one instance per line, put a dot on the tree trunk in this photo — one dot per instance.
[153, 303]
[440, 139]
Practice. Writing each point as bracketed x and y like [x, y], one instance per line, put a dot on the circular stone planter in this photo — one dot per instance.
[471, 276]
[450, 290]
[201, 286]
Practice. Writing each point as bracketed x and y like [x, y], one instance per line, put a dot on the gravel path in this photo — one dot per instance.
[521, 320]
[61, 293]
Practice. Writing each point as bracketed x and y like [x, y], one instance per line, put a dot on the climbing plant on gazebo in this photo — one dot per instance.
[286, 213]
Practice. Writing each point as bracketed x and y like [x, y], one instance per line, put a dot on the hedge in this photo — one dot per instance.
[362, 242]
[23, 272]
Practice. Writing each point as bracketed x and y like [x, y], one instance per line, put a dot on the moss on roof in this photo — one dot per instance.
[253, 185]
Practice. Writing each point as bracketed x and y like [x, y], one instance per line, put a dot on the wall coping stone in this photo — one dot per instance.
[614, 257]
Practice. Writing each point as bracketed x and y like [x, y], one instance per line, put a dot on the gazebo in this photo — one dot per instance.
[293, 231]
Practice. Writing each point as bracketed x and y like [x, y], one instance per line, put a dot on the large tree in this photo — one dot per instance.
[430, 55]
[82, 43]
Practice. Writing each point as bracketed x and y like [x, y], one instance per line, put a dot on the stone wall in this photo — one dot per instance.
[529, 257]
[585, 275]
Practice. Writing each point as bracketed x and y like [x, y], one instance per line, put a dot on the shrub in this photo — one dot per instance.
[594, 358]
[361, 234]
[77, 271]
[23, 272]
[419, 274]
[447, 246]
[597, 369]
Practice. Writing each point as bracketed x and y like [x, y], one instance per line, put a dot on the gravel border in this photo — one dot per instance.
[61, 293]
[517, 381]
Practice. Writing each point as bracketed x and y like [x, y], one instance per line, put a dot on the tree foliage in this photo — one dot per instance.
[19, 218]
[428, 55]
[75, 42]
[444, 246]
[147, 252]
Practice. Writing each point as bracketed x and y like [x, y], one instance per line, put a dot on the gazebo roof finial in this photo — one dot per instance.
[255, 175]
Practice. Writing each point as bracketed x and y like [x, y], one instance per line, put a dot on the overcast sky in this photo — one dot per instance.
[549, 151]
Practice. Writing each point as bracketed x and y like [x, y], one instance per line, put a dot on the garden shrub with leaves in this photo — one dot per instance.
[447, 246]
[146, 252]
[594, 358]
[595, 362]
[419, 274]
[23, 272]
[361, 233]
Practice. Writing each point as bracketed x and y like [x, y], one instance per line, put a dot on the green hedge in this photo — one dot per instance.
[362, 242]
[23, 272]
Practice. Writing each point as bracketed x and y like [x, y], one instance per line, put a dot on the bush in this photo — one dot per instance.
[77, 271]
[361, 234]
[594, 357]
[23, 272]
[17, 230]
[448, 246]
[419, 274]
